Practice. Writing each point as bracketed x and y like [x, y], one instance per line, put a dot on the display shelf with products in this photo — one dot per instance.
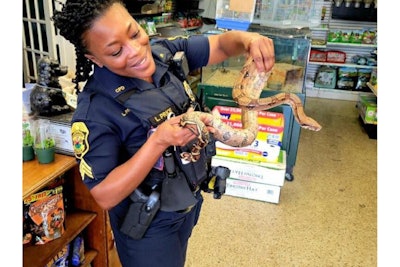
[82, 214]
[75, 224]
[373, 88]
[368, 114]
[342, 65]
[368, 108]
[356, 40]
[187, 15]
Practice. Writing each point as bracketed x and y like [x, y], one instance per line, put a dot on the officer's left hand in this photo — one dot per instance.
[261, 48]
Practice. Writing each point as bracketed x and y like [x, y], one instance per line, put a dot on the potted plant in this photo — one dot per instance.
[44, 143]
[27, 143]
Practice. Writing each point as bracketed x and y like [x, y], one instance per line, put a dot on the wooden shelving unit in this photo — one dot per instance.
[40, 255]
[35, 175]
[82, 214]
[351, 49]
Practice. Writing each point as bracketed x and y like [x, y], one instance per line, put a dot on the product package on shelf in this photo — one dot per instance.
[61, 259]
[347, 78]
[356, 36]
[326, 77]
[335, 57]
[317, 55]
[77, 248]
[268, 143]
[44, 215]
[254, 180]
[368, 108]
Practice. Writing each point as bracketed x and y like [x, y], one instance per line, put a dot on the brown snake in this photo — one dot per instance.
[246, 93]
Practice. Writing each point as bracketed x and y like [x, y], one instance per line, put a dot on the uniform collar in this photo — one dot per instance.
[114, 85]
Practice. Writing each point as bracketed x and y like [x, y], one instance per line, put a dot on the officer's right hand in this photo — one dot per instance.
[170, 133]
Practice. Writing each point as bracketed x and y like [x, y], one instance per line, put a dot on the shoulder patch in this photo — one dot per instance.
[80, 134]
[85, 170]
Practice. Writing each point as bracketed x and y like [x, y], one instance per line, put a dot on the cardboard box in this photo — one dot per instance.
[368, 108]
[268, 143]
[260, 172]
[284, 74]
[250, 190]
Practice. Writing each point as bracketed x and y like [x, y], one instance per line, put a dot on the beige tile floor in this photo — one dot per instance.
[327, 216]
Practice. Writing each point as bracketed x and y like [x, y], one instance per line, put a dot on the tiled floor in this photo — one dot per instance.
[327, 216]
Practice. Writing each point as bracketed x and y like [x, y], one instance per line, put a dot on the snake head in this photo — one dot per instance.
[192, 121]
[312, 127]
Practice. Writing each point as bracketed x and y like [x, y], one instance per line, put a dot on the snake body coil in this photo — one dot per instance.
[246, 93]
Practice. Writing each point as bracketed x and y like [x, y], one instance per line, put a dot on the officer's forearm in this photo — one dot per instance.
[234, 43]
[228, 44]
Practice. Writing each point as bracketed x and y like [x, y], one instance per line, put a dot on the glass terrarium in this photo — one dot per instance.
[292, 48]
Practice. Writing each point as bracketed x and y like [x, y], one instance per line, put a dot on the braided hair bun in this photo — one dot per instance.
[74, 19]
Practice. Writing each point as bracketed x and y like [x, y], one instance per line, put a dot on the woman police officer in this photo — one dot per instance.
[119, 149]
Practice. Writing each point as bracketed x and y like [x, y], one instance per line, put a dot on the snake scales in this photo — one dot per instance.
[246, 93]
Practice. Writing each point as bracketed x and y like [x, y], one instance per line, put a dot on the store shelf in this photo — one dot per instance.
[40, 255]
[324, 27]
[373, 88]
[320, 35]
[89, 257]
[83, 214]
[334, 93]
[370, 129]
[342, 65]
[36, 175]
[191, 11]
[363, 119]
[192, 28]
[330, 44]
[164, 25]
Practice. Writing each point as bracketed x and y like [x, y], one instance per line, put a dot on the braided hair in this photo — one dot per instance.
[74, 19]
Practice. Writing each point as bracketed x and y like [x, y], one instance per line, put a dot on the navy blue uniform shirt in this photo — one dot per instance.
[104, 134]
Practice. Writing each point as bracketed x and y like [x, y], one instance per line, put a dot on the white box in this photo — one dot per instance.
[259, 172]
[60, 127]
[256, 191]
[26, 97]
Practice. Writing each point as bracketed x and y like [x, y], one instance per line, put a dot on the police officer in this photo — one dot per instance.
[125, 129]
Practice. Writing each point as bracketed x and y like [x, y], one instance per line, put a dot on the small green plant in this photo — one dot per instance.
[46, 143]
[27, 138]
